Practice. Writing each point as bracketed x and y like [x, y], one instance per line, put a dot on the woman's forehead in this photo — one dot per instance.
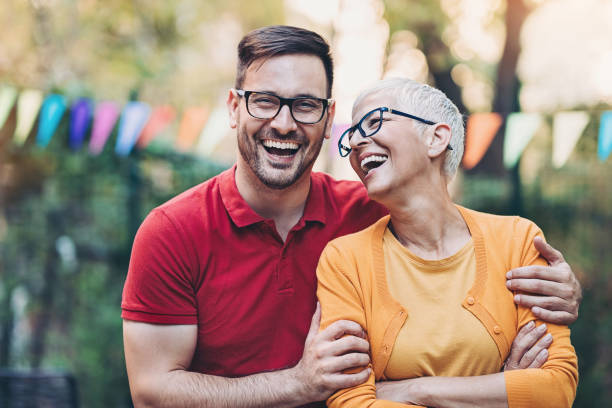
[372, 101]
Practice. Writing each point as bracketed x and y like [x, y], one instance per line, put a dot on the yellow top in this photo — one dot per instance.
[433, 291]
[353, 286]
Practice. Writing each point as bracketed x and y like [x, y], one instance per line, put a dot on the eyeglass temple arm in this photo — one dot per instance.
[427, 122]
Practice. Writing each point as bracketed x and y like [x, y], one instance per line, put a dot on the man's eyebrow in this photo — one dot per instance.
[300, 95]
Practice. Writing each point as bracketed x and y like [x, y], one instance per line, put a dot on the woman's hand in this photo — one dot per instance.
[529, 348]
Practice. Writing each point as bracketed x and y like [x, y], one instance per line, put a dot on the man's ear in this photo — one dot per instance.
[233, 103]
[331, 113]
[438, 140]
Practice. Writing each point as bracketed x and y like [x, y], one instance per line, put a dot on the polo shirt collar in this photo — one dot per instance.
[243, 215]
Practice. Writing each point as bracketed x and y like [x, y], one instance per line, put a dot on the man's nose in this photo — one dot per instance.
[284, 122]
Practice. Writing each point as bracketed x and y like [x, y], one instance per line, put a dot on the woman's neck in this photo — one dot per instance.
[427, 223]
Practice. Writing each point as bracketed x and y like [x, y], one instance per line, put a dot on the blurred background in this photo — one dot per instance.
[533, 77]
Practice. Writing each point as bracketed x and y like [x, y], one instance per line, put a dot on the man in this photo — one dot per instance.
[219, 304]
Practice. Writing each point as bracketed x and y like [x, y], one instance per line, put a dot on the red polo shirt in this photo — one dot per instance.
[206, 258]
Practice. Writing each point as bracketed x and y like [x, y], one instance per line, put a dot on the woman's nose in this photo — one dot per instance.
[358, 139]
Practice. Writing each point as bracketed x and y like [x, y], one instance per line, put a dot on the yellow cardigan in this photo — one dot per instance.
[353, 286]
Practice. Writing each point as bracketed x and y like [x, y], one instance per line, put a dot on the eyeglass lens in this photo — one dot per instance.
[265, 106]
[369, 124]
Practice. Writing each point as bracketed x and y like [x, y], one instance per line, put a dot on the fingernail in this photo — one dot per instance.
[530, 325]
[517, 298]
[542, 327]
[544, 353]
[548, 337]
[509, 284]
[509, 275]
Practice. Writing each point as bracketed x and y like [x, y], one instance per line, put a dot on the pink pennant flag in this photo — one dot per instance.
[104, 121]
[336, 131]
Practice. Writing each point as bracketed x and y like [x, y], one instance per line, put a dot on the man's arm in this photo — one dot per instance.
[158, 357]
[554, 293]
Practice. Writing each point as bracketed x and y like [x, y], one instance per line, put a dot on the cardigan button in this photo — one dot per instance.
[497, 330]
[470, 300]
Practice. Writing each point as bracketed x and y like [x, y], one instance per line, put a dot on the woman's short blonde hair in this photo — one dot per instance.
[428, 103]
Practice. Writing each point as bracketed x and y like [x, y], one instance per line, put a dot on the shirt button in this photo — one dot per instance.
[497, 330]
[470, 300]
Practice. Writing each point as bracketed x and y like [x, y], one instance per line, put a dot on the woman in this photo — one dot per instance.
[427, 282]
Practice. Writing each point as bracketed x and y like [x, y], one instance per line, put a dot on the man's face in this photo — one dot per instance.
[280, 150]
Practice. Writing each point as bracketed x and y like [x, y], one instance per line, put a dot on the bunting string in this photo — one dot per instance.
[198, 131]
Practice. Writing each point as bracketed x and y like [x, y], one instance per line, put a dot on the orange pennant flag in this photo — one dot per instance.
[480, 132]
[159, 120]
[191, 125]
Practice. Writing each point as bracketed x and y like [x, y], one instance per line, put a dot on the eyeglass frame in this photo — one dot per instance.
[382, 110]
[284, 101]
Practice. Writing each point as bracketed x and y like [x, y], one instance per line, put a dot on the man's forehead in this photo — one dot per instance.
[288, 75]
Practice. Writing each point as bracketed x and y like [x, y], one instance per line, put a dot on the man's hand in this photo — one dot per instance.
[529, 348]
[328, 353]
[554, 292]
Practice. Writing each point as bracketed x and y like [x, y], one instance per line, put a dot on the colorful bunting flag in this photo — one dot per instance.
[604, 144]
[104, 121]
[520, 128]
[50, 115]
[27, 109]
[480, 132]
[8, 95]
[336, 131]
[159, 120]
[191, 125]
[133, 120]
[215, 129]
[567, 129]
[80, 118]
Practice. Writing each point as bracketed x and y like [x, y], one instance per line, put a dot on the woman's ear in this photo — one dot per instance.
[439, 139]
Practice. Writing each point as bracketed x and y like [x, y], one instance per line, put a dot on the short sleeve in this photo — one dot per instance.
[159, 285]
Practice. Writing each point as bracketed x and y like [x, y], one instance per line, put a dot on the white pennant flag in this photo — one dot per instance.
[567, 129]
[520, 128]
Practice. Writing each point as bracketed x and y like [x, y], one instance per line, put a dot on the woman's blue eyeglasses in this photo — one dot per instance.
[370, 124]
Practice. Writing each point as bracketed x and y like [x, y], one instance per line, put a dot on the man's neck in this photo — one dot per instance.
[284, 206]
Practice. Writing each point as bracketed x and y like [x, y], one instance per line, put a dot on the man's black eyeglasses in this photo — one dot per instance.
[370, 124]
[266, 105]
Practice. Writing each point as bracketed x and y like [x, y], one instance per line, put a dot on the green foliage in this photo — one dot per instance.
[97, 202]
[573, 206]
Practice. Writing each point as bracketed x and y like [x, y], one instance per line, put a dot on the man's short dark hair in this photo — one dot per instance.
[271, 41]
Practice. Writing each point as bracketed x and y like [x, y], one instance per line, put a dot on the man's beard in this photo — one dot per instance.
[273, 176]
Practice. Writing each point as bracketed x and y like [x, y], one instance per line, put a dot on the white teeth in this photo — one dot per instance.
[280, 145]
[376, 158]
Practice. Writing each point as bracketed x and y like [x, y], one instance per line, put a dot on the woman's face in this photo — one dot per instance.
[391, 160]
